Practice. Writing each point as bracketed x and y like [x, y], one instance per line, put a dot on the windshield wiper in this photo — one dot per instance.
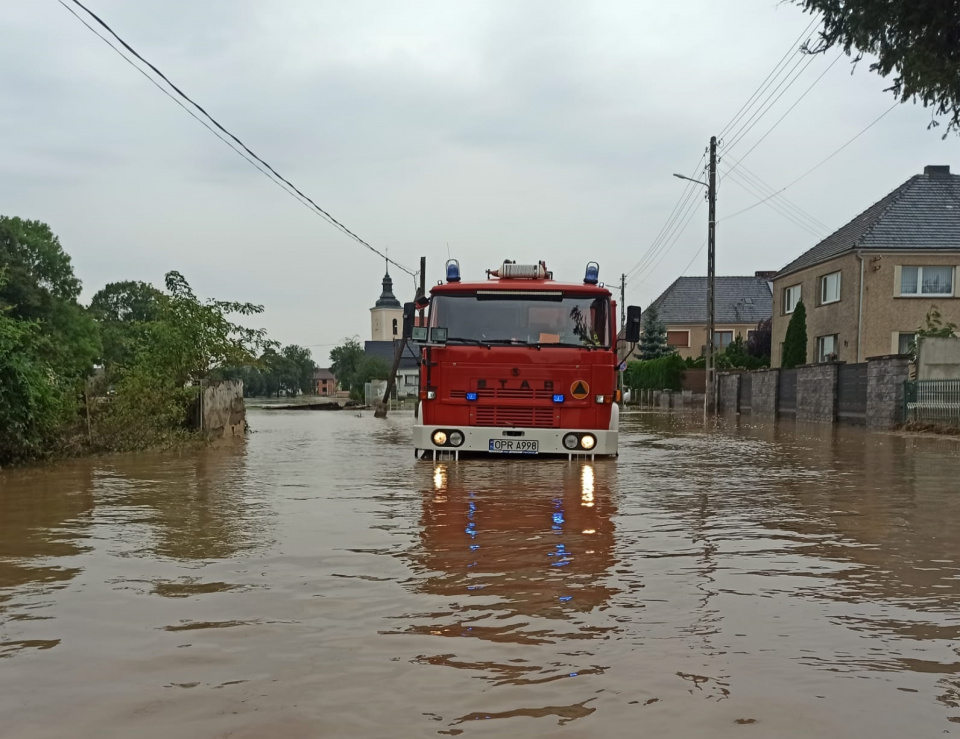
[475, 342]
[541, 344]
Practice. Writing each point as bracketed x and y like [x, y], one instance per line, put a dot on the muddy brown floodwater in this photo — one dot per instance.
[316, 581]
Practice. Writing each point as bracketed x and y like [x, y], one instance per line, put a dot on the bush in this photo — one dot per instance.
[664, 373]
[795, 342]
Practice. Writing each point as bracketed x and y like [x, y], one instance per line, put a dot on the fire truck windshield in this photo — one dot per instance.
[523, 319]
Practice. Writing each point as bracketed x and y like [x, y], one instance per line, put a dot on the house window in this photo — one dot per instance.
[926, 280]
[411, 380]
[678, 338]
[830, 288]
[394, 326]
[826, 348]
[906, 342]
[791, 296]
[722, 339]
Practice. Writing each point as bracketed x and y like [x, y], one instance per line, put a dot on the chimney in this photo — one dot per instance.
[764, 275]
[937, 170]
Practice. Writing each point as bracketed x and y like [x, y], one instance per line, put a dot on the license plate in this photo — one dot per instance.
[514, 446]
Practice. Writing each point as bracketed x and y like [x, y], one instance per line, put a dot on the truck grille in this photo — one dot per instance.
[517, 417]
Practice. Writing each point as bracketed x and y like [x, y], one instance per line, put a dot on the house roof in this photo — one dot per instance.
[736, 300]
[923, 214]
[385, 350]
[323, 374]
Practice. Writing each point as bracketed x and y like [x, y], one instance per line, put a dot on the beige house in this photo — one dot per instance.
[740, 304]
[868, 287]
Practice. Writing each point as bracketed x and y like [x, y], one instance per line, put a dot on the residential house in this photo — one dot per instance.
[408, 374]
[325, 382]
[868, 287]
[740, 303]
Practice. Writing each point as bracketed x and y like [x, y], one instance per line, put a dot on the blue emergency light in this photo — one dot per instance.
[471, 396]
[592, 277]
[453, 270]
[557, 398]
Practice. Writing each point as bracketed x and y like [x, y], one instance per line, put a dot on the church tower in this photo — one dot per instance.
[386, 316]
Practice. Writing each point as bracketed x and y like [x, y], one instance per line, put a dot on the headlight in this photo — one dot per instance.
[456, 438]
[570, 441]
[439, 438]
[588, 441]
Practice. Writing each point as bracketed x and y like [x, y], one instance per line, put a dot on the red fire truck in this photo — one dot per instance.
[518, 364]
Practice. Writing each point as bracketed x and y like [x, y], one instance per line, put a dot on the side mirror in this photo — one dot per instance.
[631, 331]
[409, 313]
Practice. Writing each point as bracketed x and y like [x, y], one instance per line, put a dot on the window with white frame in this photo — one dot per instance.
[791, 296]
[926, 280]
[830, 288]
[906, 342]
[826, 348]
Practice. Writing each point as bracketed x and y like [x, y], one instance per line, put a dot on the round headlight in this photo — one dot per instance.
[456, 438]
[588, 441]
[439, 438]
[570, 441]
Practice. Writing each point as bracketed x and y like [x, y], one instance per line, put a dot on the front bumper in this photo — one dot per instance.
[477, 439]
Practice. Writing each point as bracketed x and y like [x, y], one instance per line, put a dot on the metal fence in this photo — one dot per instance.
[852, 393]
[932, 401]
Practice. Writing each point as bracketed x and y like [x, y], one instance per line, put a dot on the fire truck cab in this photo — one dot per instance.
[518, 364]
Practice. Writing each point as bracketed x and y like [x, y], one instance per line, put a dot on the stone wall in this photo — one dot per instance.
[729, 392]
[223, 410]
[885, 378]
[765, 385]
[817, 393]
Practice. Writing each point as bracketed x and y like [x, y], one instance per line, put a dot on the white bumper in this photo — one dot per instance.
[550, 441]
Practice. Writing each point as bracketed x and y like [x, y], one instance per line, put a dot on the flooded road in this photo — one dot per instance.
[316, 581]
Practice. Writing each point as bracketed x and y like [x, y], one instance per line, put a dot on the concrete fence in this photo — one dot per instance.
[870, 394]
[220, 410]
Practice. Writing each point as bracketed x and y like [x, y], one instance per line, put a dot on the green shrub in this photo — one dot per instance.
[664, 373]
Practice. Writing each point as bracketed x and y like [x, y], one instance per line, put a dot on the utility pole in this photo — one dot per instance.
[710, 402]
[401, 344]
[623, 301]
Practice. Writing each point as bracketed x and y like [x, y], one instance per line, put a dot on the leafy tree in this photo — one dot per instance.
[32, 404]
[736, 355]
[122, 309]
[918, 41]
[795, 342]
[303, 365]
[40, 286]
[368, 370]
[935, 327]
[653, 339]
[345, 361]
[759, 345]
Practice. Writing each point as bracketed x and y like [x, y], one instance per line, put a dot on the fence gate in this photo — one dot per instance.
[787, 393]
[852, 393]
[933, 401]
[746, 392]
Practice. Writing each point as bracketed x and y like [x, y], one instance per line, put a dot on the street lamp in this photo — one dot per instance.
[710, 399]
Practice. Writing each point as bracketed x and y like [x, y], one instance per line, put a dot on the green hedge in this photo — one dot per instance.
[664, 373]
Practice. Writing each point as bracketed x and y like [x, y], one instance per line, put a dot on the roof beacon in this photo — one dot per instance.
[453, 270]
[593, 274]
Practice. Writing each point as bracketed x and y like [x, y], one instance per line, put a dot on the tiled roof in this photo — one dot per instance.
[736, 300]
[323, 374]
[923, 213]
[385, 350]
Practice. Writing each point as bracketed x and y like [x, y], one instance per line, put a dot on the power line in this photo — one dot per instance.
[795, 104]
[775, 72]
[818, 165]
[767, 189]
[750, 188]
[320, 211]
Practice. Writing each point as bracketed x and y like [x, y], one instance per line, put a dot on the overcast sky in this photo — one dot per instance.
[524, 130]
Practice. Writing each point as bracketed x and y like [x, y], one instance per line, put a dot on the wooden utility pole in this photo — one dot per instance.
[401, 344]
[710, 401]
